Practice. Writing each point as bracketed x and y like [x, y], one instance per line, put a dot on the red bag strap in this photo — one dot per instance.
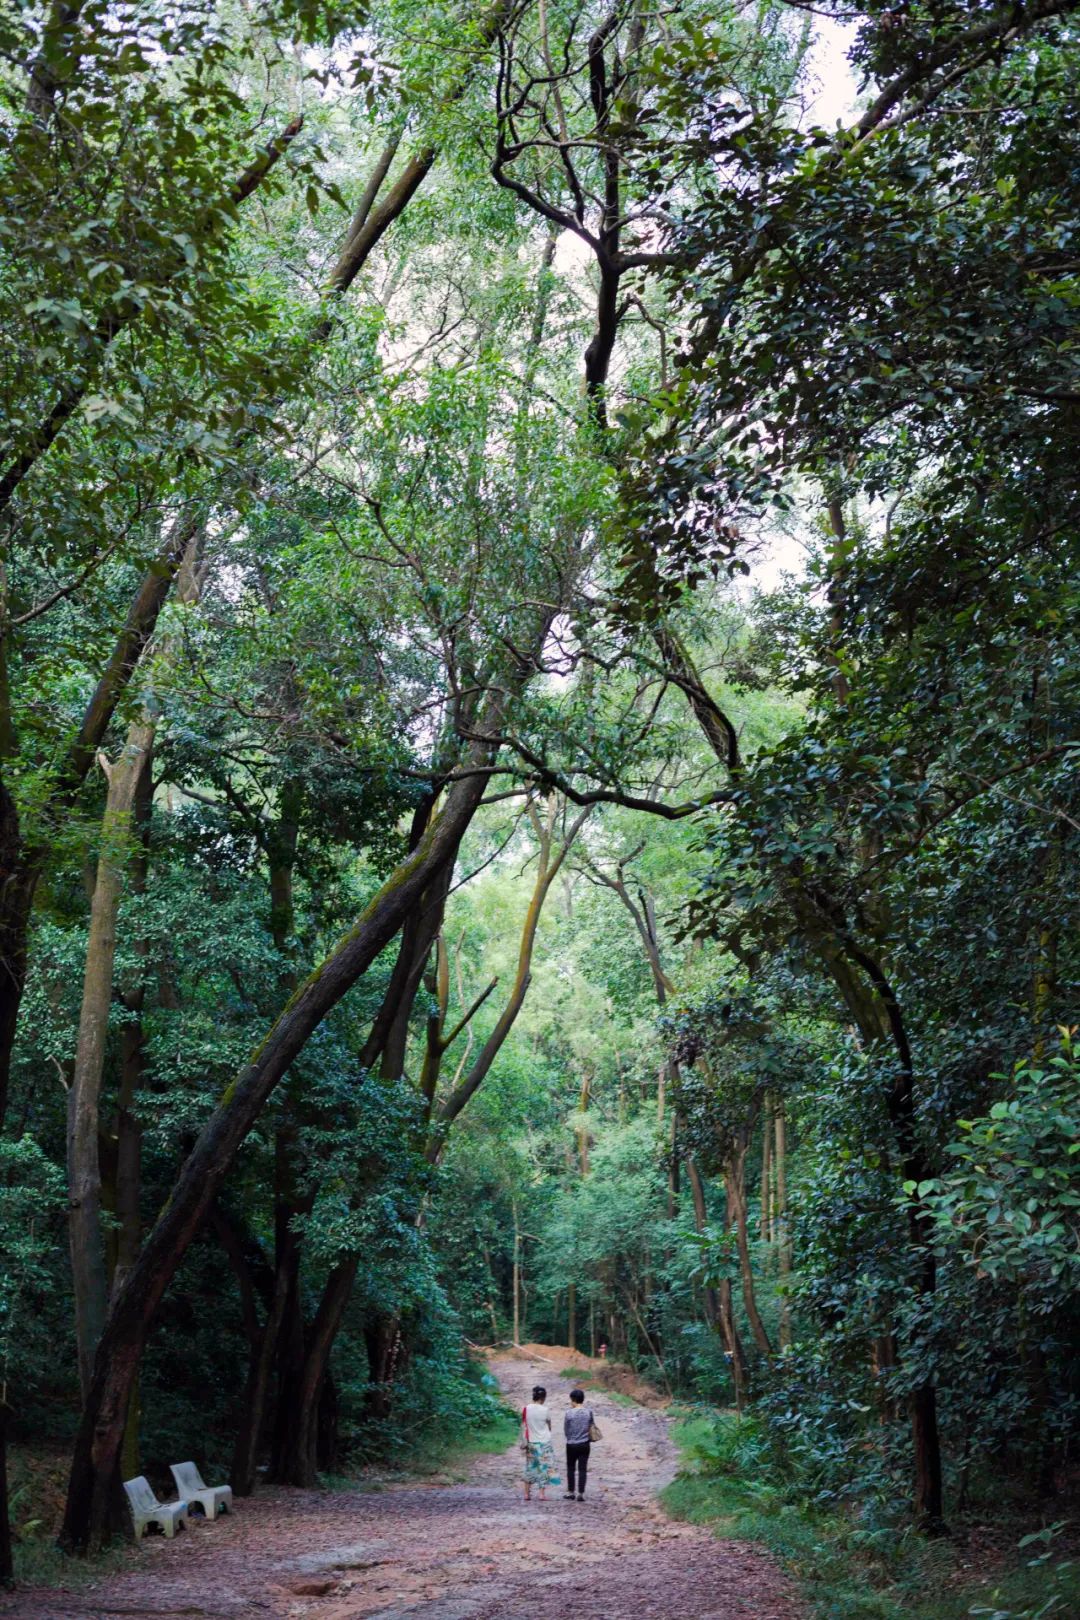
[525, 1421]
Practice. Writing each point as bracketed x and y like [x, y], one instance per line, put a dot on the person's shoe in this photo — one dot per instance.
[569, 1495]
[581, 1496]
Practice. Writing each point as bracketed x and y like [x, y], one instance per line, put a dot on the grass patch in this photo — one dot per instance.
[434, 1455]
[850, 1571]
[38, 1487]
[435, 1451]
[41, 1563]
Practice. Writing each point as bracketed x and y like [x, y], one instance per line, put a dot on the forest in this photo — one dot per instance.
[539, 696]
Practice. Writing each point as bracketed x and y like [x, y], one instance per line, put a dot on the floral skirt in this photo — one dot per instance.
[540, 1466]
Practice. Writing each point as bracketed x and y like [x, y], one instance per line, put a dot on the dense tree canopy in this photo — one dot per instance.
[461, 878]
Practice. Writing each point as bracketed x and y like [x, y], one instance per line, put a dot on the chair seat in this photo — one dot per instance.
[212, 1499]
[146, 1510]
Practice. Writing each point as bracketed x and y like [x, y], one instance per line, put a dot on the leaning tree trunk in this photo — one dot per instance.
[95, 1499]
[304, 1357]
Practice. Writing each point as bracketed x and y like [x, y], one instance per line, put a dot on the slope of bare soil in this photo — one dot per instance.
[443, 1551]
[607, 1374]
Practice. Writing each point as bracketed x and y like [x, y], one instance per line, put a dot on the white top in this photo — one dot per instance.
[538, 1422]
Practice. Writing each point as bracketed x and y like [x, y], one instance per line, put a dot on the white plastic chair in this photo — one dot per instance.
[147, 1510]
[213, 1499]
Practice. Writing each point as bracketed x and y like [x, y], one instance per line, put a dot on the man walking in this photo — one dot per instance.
[579, 1425]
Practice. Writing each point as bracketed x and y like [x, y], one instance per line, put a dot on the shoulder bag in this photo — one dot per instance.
[594, 1429]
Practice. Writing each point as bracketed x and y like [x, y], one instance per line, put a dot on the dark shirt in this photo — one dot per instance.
[576, 1425]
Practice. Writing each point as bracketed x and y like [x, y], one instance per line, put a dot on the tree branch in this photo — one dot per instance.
[117, 320]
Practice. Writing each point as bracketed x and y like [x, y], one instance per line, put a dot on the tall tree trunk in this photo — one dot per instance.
[733, 1342]
[701, 1220]
[245, 1459]
[740, 1373]
[673, 1157]
[21, 864]
[883, 1362]
[88, 1271]
[583, 1129]
[783, 1226]
[291, 1198]
[327, 1432]
[382, 1339]
[128, 1133]
[411, 956]
[517, 1278]
[298, 1464]
[281, 1344]
[126, 1207]
[734, 1175]
[418, 937]
[584, 1141]
[18, 879]
[865, 990]
[7, 1557]
[1045, 975]
[767, 1223]
[289, 1359]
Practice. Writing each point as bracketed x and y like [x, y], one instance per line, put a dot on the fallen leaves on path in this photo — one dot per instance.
[471, 1551]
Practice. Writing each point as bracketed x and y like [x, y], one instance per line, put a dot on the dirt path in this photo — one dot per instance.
[472, 1551]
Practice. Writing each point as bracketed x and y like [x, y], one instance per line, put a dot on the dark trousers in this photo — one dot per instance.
[577, 1457]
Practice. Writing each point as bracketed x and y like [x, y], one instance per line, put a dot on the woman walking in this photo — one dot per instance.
[540, 1469]
[579, 1426]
